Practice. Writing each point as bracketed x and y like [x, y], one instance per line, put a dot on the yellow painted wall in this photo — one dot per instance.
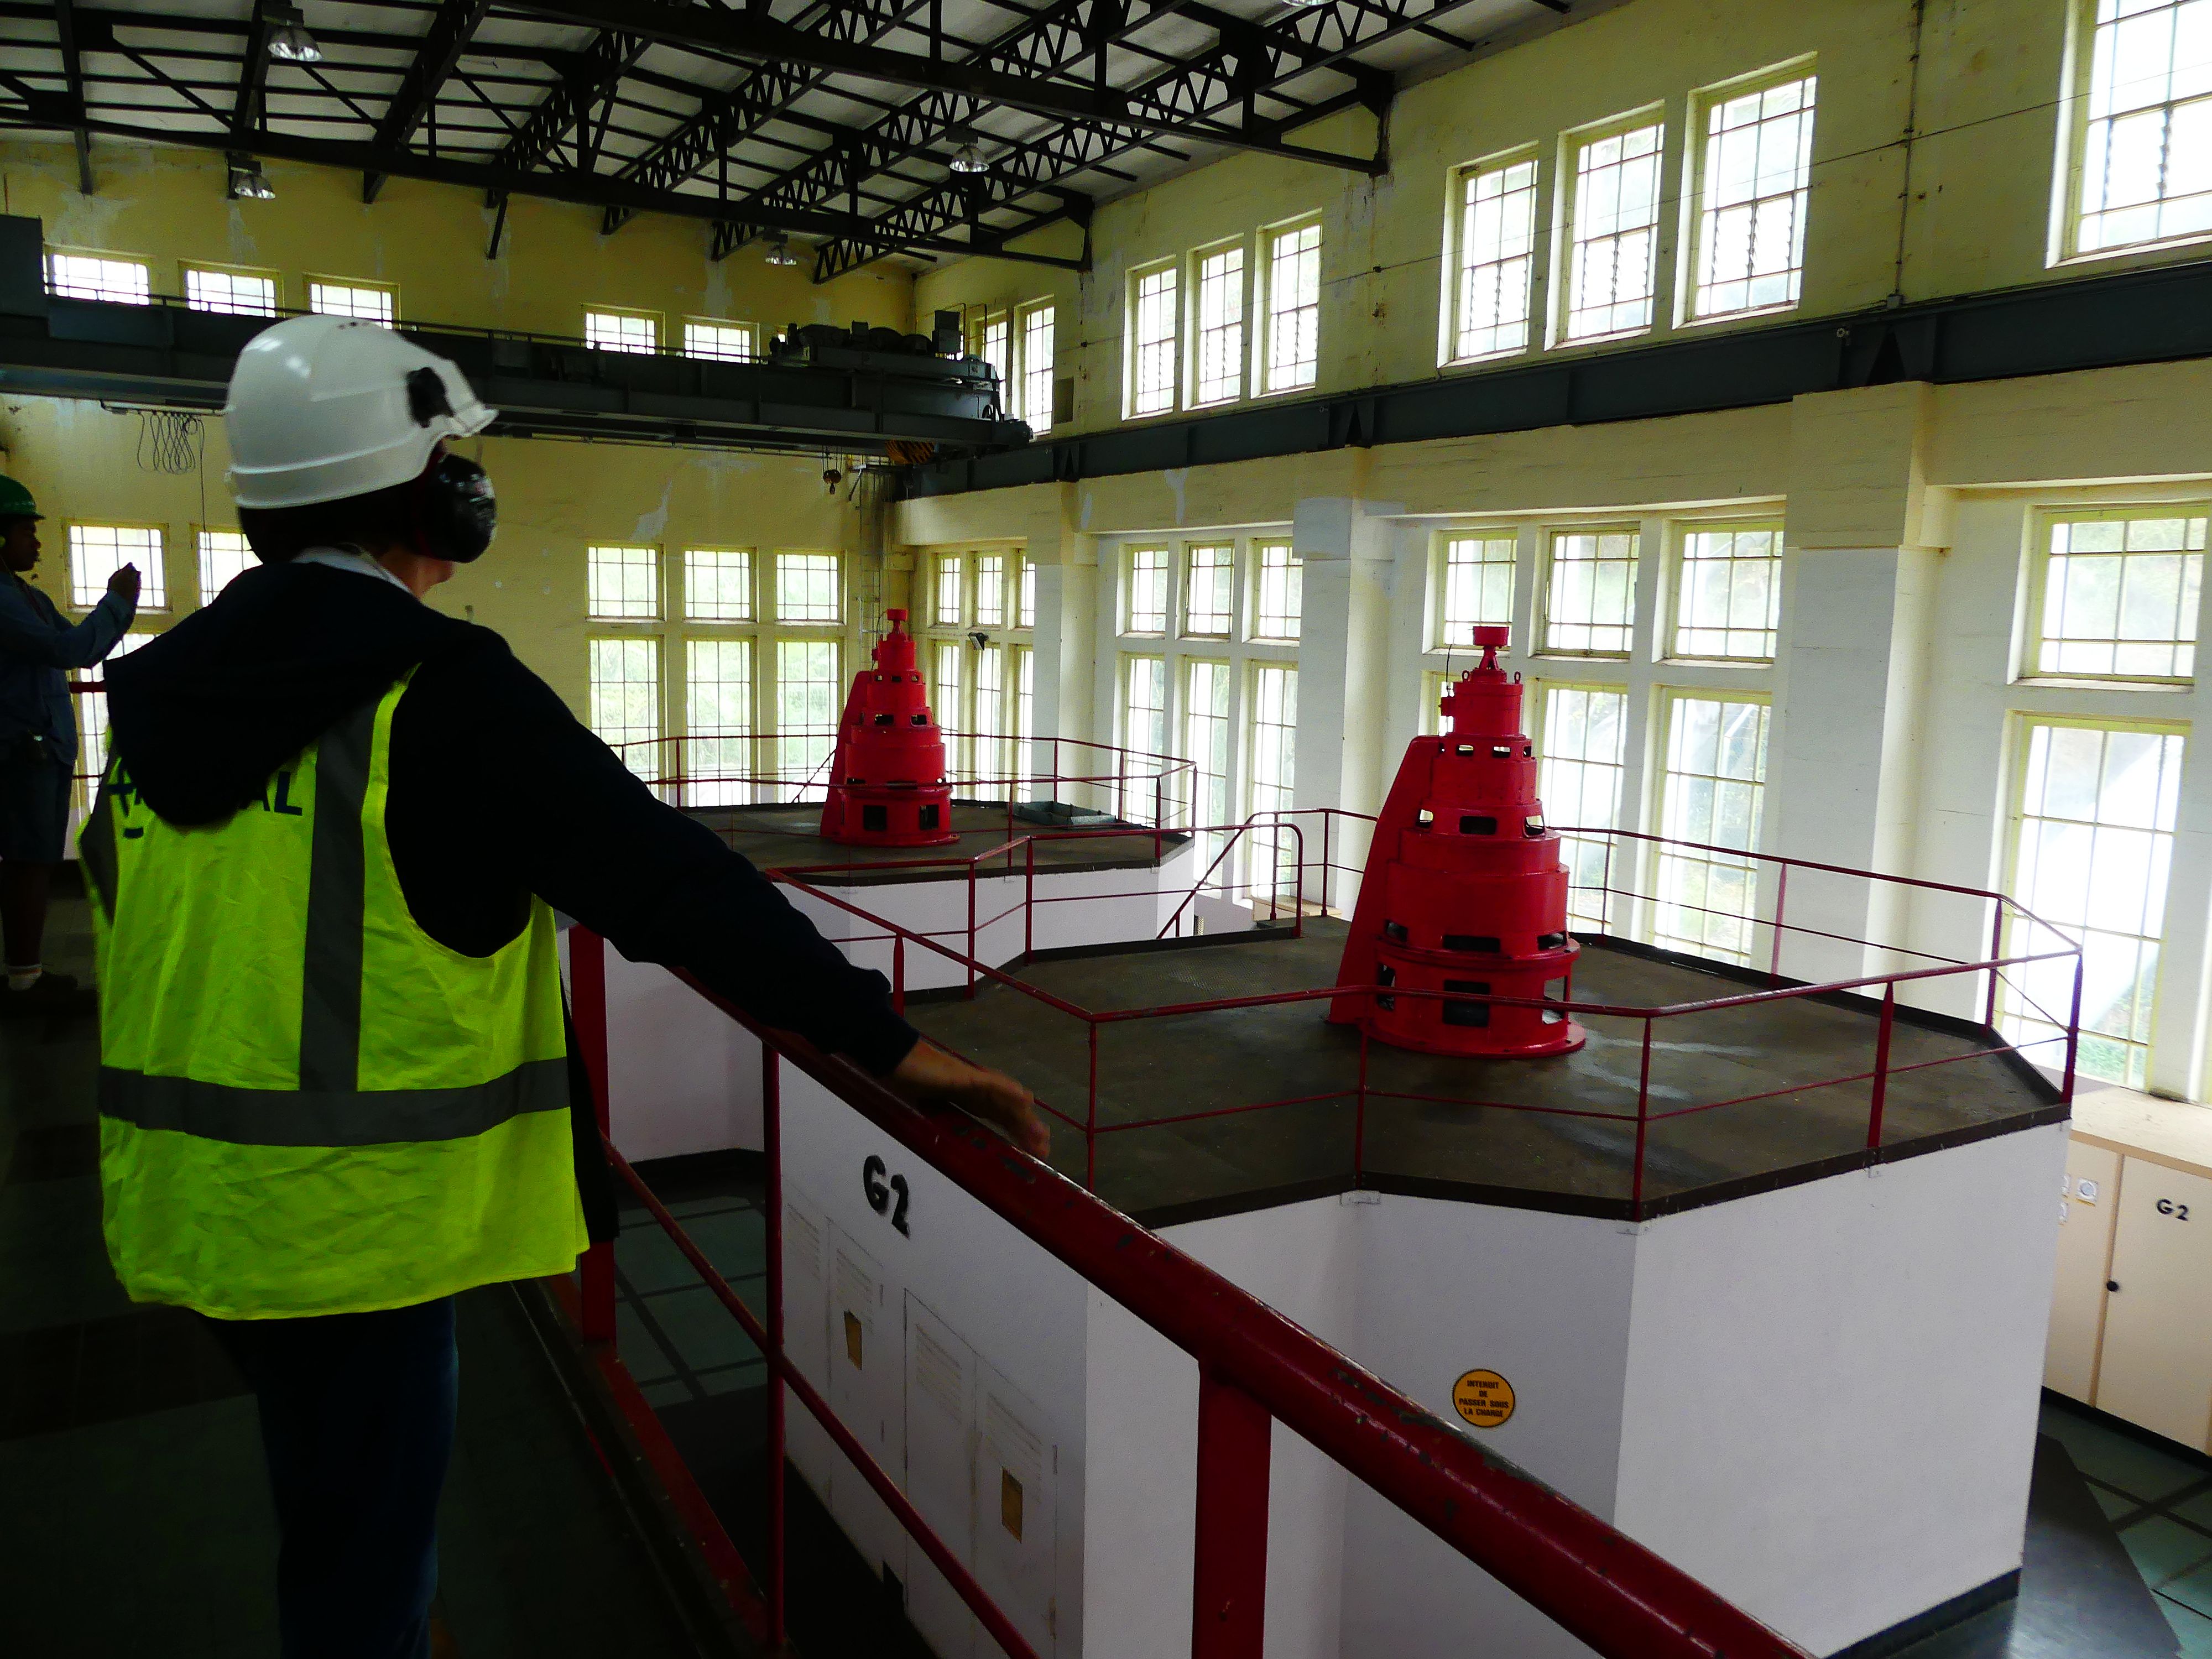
[83, 462]
[1977, 214]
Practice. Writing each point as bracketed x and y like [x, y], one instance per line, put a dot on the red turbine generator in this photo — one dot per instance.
[1464, 889]
[887, 786]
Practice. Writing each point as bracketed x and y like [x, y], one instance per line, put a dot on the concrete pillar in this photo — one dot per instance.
[1345, 546]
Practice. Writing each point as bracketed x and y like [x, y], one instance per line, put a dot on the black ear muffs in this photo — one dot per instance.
[455, 510]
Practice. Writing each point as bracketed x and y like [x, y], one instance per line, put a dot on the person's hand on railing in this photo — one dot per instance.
[928, 1076]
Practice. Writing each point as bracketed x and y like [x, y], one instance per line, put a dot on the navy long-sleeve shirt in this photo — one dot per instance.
[37, 645]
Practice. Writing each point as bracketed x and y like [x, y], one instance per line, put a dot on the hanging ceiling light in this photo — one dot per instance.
[969, 159]
[247, 180]
[289, 38]
[779, 252]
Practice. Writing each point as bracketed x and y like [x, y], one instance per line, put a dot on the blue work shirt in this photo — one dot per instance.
[36, 645]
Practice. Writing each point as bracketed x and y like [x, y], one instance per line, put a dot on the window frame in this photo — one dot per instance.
[1459, 179]
[2064, 243]
[661, 607]
[660, 328]
[1193, 342]
[1132, 348]
[186, 268]
[682, 552]
[312, 279]
[200, 533]
[1671, 625]
[2041, 522]
[52, 252]
[1439, 623]
[1663, 777]
[1170, 573]
[1613, 906]
[1187, 568]
[749, 331]
[1026, 372]
[1261, 378]
[1293, 581]
[1546, 565]
[154, 594]
[1696, 144]
[1567, 206]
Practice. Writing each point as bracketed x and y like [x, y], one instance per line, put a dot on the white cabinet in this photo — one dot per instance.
[2155, 1368]
[2088, 1201]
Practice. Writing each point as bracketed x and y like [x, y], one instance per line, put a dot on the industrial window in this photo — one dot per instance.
[1026, 613]
[2144, 135]
[1209, 590]
[988, 712]
[97, 552]
[1154, 322]
[1220, 374]
[1280, 591]
[238, 293]
[2117, 598]
[945, 608]
[1477, 587]
[2093, 842]
[1585, 746]
[1037, 341]
[370, 302]
[1728, 595]
[808, 588]
[1274, 740]
[90, 276]
[624, 583]
[718, 721]
[1293, 307]
[1613, 232]
[1589, 592]
[1147, 602]
[1497, 262]
[1754, 178]
[625, 700]
[92, 712]
[1144, 731]
[1205, 736]
[728, 343]
[1713, 793]
[622, 330]
[808, 693]
[224, 554]
[1025, 757]
[718, 583]
[949, 701]
[990, 590]
[991, 340]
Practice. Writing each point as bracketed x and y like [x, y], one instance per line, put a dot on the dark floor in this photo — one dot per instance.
[789, 838]
[134, 1520]
[1450, 1124]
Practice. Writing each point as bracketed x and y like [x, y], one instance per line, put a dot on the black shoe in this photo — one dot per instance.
[50, 996]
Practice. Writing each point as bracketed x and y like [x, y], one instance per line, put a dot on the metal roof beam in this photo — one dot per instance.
[443, 43]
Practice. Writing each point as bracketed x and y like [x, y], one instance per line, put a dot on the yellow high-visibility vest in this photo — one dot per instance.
[307, 1104]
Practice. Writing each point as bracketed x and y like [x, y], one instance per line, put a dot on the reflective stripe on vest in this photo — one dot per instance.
[308, 1104]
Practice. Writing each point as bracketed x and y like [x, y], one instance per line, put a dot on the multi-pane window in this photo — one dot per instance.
[1144, 731]
[1712, 793]
[224, 554]
[1209, 590]
[622, 330]
[1154, 323]
[1274, 765]
[807, 588]
[946, 695]
[1278, 595]
[1585, 755]
[1036, 401]
[1218, 374]
[1497, 264]
[2093, 839]
[1025, 755]
[809, 694]
[369, 302]
[1293, 307]
[988, 720]
[718, 583]
[1147, 605]
[1728, 600]
[1612, 264]
[1589, 592]
[2145, 138]
[97, 552]
[92, 711]
[990, 590]
[624, 583]
[2118, 595]
[718, 720]
[993, 343]
[90, 276]
[238, 293]
[728, 343]
[1477, 590]
[1025, 610]
[1755, 174]
[946, 609]
[625, 700]
[1206, 735]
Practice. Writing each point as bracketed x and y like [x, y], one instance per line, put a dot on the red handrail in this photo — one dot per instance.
[1624, 1600]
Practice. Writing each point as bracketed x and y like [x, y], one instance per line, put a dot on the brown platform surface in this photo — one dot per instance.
[785, 837]
[1790, 1052]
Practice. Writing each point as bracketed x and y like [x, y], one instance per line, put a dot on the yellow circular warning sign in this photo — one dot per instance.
[1483, 1398]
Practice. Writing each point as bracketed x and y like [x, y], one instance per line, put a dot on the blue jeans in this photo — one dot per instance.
[357, 1421]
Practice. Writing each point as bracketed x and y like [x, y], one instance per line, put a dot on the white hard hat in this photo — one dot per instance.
[323, 408]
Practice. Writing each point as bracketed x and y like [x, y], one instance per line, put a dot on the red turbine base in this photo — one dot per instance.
[887, 786]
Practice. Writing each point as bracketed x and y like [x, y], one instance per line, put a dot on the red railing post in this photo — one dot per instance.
[1028, 898]
[1643, 1123]
[587, 998]
[1781, 900]
[2073, 1030]
[1091, 1120]
[1996, 954]
[898, 974]
[971, 930]
[1880, 1089]
[1229, 1565]
[772, 1156]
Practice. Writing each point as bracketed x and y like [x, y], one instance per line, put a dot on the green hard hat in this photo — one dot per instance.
[15, 502]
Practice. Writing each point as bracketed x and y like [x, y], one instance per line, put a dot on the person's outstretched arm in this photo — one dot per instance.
[29, 635]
